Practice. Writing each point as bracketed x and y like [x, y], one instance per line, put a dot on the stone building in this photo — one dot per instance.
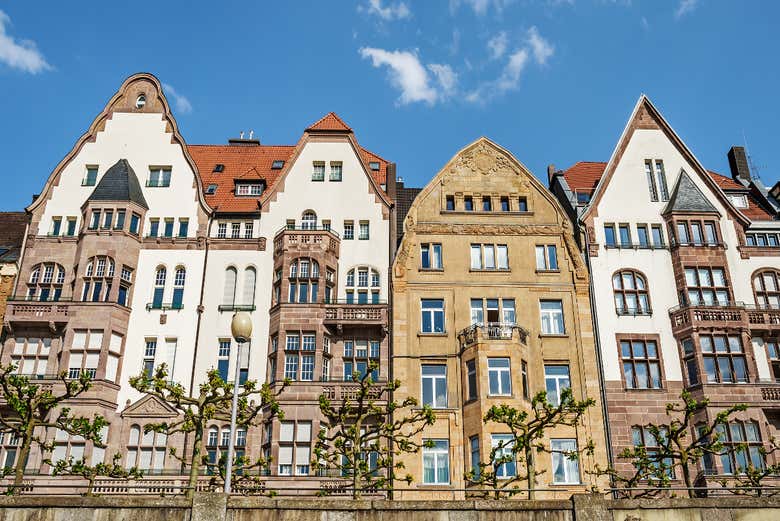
[685, 268]
[12, 231]
[491, 306]
[141, 247]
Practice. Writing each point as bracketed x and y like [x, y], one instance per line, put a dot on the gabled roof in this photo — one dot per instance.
[583, 176]
[686, 197]
[330, 122]
[119, 183]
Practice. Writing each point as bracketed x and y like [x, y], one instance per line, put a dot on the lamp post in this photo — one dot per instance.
[241, 328]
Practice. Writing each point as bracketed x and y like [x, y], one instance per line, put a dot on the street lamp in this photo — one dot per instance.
[241, 328]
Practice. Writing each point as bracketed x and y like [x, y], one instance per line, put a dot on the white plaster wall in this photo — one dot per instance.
[142, 140]
[180, 324]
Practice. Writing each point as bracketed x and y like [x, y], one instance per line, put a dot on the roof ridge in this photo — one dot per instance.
[324, 124]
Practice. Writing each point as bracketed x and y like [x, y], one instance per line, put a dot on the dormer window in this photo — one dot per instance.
[374, 165]
[211, 190]
[249, 189]
[219, 167]
[738, 200]
[277, 165]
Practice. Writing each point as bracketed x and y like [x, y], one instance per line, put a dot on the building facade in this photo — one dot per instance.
[12, 230]
[490, 306]
[684, 265]
[141, 247]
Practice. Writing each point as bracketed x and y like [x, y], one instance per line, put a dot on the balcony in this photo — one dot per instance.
[306, 238]
[490, 331]
[729, 314]
[22, 310]
[165, 306]
[351, 314]
[764, 319]
[351, 390]
[771, 393]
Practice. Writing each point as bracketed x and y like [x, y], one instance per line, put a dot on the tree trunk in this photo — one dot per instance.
[531, 471]
[21, 463]
[686, 476]
[195, 462]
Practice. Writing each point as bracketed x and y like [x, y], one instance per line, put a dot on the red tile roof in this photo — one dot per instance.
[754, 211]
[726, 183]
[330, 122]
[583, 176]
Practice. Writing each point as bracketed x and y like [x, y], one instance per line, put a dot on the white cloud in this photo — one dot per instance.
[20, 54]
[541, 48]
[446, 77]
[508, 80]
[183, 105]
[497, 45]
[406, 73]
[645, 24]
[397, 11]
[480, 7]
[685, 7]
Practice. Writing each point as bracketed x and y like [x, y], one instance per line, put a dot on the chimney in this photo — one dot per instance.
[740, 170]
[550, 173]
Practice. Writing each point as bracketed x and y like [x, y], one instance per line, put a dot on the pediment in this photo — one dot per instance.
[482, 162]
[149, 407]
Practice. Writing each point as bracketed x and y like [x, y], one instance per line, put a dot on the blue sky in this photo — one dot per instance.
[551, 80]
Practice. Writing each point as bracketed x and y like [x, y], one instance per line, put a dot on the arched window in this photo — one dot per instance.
[304, 280]
[250, 276]
[46, 280]
[309, 220]
[362, 285]
[98, 279]
[766, 286]
[178, 287]
[229, 292]
[159, 287]
[631, 297]
[146, 450]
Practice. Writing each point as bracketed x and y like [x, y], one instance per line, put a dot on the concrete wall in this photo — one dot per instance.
[216, 507]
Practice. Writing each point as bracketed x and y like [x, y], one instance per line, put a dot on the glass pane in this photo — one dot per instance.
[740, 369]
[709, 369]
[655, 375]
[638, 349]
[652, 352]
[704, 277]
[690, 277]
[628, 370]
[724, 366]
[718, 277]
[642, 375]
[720, 344]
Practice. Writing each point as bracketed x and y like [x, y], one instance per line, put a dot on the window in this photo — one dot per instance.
[211, 189]
[235, 230]
[67, 446]
[31, 356]
[335, 171]
[504, 204]
[71, 230]
[656, 180]
[710, 233]
[358, 355]
[706, 286]
[98, 279]
[309, 220]
[565, 464]
[318, 171]
[278, 164]
[223, 359]
[229, 289]
[524, 379]
[502, 447]
[159, 287]
[475, 458]
[547, 258]
[487, 311]
[178, 288]
[552, 317]
[773, 353]
[522, 204]
[449, 204]
[766, 288]
[631, 295]
[159, 176]
[762, 239]
[556, 379]
[610, 240]
[120, 220]
[9, 443]
[108, 219]
[140, 101]
[95, 221]
[487, 205]
[150, 351]
[489, 257]
[85, 352]
[724, 358]
[154, 227]
[46, 282]
[56, 226]
[643, 437]
[146, 450]
[434, 385]
[432, 315]
[641, 235]
[468, 203]
[294, 448]
[738, 200]
[641, 364]
[625, 235]
[690, 361]
[430, 256]
[436, 462]
[168, 229]
[349, 230]
[90, 177]
[183, 225]
[658, 236]
[471, 379]
[742, 446]
[304, 281]
[499, 379]
[363, 233]
[249, 189]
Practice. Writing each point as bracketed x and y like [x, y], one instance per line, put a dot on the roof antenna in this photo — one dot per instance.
[251, 134]
[242, 135]
[751, 165]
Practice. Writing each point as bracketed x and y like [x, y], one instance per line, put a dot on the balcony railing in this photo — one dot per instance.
[763, 316]
[236, 307]
[313, 228]
[634, 312]
[164, 306]
[770, 393]
[44, 311]
[492, 331]
[351, 391]
[350, 312]
[703, 313]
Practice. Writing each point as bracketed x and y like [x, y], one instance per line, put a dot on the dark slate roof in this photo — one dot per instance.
[12, 228]
[404, 198]
[119, 183]
[686, 197]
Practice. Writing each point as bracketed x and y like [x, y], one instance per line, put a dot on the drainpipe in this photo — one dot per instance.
[599, 361]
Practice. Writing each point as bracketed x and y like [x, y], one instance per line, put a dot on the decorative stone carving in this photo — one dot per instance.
[488, 229]
[485, 160]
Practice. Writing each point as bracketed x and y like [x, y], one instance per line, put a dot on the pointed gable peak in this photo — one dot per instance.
[330, 122]
[688, 198]
[119, 183]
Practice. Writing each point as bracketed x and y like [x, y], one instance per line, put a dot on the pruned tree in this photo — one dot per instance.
[212, 402]
[751, 479]
[360, 434]
[529, 431]
[35, 407]
[679, 444]
[245, 474]
[79, 467]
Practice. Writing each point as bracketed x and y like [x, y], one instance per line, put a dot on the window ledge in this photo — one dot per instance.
[423, 333]
[645, 390]
[490, 270]
[431, 270]
[500, 396]
[551, 335]
[547, 272]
